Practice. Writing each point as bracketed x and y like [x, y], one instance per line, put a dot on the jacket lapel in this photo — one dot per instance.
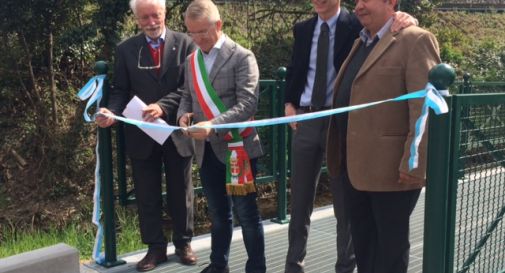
[342, 33]
[222, 57]
[382, 45]
[306, 44]
[343, 68]
[169, 51]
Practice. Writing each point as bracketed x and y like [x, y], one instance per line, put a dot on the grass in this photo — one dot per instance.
[78, 235]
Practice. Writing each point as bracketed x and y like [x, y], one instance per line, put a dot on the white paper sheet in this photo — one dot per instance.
[133, 110]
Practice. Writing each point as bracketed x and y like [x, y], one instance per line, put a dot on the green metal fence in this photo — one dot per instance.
[465, 194]
[272, 167]
[468, 86]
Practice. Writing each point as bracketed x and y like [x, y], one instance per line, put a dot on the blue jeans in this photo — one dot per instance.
[213, 176]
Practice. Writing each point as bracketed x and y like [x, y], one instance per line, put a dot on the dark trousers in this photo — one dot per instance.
[147, 179]
[308, 151]
[213, 176]
[380, 228]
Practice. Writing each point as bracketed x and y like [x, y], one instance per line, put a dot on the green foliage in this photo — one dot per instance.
[451, 41]
[55, 162]
[470, 42]
[79, 235]
[487, 61]
[51, 193]
[420, 9]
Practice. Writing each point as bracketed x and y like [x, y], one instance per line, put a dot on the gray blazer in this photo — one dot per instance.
[235, 77]
[164, 88]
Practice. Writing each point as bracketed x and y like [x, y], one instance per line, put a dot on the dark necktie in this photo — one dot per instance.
[319, 90]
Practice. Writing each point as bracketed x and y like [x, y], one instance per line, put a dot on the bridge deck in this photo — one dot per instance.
[321, 253]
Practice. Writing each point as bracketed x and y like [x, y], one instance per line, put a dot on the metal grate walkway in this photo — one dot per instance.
[321, 253]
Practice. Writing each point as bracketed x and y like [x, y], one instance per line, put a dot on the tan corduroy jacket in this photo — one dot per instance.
[379, 137]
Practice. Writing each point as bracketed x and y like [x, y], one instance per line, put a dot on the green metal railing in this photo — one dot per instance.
[468, 86]
[272, 167]
[107, 186]
[465, 194]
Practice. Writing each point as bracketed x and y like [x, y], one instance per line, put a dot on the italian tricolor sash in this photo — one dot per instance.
[239, 178]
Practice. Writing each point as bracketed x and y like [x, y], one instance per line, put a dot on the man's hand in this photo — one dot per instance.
[289, 110]
[185, 122]
[152, 112]
[406, 178]
[104, 121]
[200, 133]
[403, 20]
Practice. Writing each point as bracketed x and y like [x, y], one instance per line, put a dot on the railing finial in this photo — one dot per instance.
[442, 76]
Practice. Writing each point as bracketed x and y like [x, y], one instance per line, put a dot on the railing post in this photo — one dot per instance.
[121, 164]
[437, 213]
[107, 188]
[467, 84]
[436, 216]
[282, 151]
[465, 88]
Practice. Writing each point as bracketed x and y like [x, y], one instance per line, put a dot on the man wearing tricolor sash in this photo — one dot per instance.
[221, 86]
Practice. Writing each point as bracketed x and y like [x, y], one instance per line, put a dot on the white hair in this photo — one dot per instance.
[202, 9]
[134, 4]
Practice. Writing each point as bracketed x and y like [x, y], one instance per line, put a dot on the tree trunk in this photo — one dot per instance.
[81, 51]
[54, 111]
[33, 80]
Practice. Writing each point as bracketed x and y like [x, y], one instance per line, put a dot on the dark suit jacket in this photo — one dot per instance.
[347, 30]
[164, 89]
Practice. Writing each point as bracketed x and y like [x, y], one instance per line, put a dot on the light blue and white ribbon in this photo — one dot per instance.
[93, 91]
[435, 101]
[97, 254]
[271, 121]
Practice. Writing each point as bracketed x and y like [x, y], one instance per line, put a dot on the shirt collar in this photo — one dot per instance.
[367, 38]
[218, 44]
[332, 22]
[220, 41]
[161, 39]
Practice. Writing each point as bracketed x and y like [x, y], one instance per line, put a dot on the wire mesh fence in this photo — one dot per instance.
[479, 229]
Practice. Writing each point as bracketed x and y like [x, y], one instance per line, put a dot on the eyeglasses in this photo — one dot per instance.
[200, 34]
[149, 67]
[155, 16]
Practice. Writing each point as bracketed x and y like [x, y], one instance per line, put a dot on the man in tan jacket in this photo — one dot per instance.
[369, 149]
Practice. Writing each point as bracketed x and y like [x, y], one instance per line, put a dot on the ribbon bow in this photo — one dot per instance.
[93, 90]
[434, 100]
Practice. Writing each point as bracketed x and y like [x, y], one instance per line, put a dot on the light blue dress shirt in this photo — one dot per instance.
[311, 73]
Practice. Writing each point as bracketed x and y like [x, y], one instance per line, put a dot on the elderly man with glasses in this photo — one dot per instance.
[150, 66]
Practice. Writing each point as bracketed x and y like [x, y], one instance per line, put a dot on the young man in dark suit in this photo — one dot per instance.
[321, 45]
